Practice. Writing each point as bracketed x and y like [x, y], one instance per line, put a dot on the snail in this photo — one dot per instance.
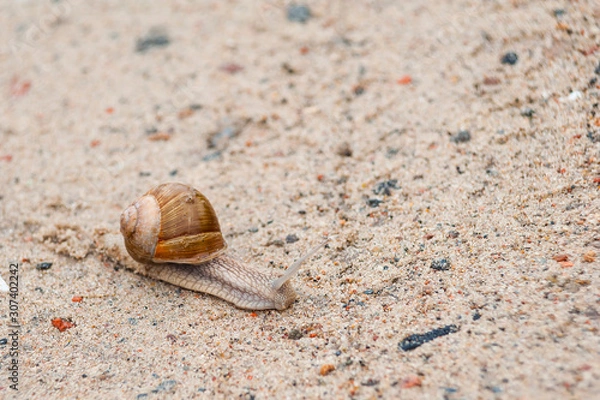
[174, 231]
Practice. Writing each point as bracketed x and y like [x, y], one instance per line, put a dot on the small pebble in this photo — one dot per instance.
[385, 187]
[3, 341]
[411, 381]
[561, 257]
[231, 68]
[291, 238]
[440, 265]
[212, 156]
[253, 229]
[326, 369]
[491, 80]
[159, 137]
[411, 342]
[597, 70]
[594, 136]
[370, 382]
[368, 291]
[476, 316]
[344, 150]
[509, 58]
[276, 242]
[220, 137]
[589, 256]
[62, 324]
[43, 266]
[358, 90]
[461, 137]
[298, 13]
[165, 386]
[527, 112]
[373, 203]
[295, 334]
[154, 38]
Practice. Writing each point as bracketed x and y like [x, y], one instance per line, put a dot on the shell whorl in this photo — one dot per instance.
[172, 223]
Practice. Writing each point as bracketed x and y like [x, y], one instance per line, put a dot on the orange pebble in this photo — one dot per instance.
[326, 369]
[405, 80]
[61, 324]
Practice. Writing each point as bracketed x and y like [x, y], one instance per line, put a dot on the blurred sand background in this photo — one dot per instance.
[351, 123]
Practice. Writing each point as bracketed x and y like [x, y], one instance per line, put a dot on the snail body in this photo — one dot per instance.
[174, 231]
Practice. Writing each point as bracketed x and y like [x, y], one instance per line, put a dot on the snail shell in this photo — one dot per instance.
[174, 231]
[172, 223]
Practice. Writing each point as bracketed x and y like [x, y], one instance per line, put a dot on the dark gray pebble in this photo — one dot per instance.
[509, 58]
[43, 266]
[370, 382]
[291, 238]
[411, 342]
[453, 234]
[385, 187]
[594, 136]
[165, 386]
[298, 13]
[373, 203]
[154, 38]
[212, 156]
[223, 135]
[597, 70]
[295, 334]
[3, 341]
[440, 265]
[476, 316]
[344, 150]
[461, 137]
[527, 112]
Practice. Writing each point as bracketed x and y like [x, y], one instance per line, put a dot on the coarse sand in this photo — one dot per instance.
[449, 149]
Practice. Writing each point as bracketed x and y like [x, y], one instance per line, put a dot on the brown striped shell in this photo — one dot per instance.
[174, 223]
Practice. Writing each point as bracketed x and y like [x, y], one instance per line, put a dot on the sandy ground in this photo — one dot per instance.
[348, 125]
